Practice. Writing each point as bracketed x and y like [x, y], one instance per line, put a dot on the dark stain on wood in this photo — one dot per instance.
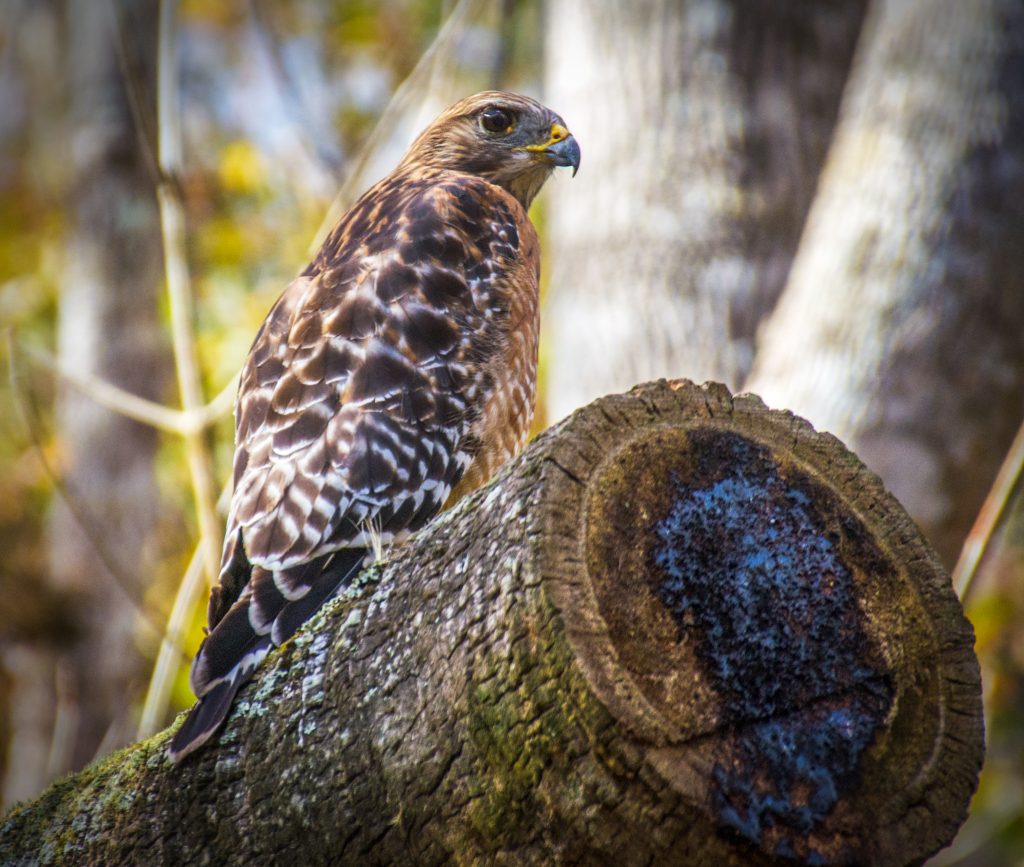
[749, 564]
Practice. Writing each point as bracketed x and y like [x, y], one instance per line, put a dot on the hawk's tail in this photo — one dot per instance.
[269, 610]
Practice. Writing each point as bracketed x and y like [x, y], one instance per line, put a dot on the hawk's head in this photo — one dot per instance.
[510, 140]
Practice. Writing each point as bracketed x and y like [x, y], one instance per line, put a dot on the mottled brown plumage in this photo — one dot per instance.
[395, 374]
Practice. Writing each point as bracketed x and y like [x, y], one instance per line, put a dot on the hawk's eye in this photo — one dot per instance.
[494, 119]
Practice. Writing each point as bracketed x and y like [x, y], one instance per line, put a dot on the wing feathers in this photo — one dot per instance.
[360, 406]
[342, 567]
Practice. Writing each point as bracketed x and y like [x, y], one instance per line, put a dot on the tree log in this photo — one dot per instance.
[680, 629]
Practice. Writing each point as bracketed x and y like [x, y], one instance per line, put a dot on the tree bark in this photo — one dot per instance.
[680, 629]
[901, 327]
[704, 125]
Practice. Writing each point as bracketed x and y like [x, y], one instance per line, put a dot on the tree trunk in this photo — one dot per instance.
[681, 629]
[901, 328]
[80, 691]
[704, 125]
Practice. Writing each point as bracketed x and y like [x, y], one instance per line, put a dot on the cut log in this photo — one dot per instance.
[680, 629]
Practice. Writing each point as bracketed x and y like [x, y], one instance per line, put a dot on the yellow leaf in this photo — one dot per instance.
[241, 168]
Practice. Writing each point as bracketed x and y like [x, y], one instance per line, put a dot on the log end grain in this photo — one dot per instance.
[770, 626]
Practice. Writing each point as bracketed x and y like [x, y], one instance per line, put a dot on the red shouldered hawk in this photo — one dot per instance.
[395, 374]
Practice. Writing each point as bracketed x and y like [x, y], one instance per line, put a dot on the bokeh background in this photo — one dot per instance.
[820, 203]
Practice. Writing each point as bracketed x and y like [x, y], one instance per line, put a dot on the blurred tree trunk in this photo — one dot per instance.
[76, 698]
[704, 125]
[902, 327]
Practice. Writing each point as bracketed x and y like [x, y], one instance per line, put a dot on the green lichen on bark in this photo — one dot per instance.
[522, 722]
[98, 799]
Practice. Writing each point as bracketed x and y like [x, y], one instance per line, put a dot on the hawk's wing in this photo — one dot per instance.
[358, 403]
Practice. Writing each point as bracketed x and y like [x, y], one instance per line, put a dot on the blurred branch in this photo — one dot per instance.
[988, 518]
[315, 140]
[172, 647]
[158, 694]
[138, 408]
[65, 722]
[172, 224]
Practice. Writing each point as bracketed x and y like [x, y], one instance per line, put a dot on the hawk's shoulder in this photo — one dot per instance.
[420, 215]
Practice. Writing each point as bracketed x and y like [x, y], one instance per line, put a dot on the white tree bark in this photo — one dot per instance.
[703, 126]
[902, 327]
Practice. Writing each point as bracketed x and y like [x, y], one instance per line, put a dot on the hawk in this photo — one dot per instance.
[392, 376]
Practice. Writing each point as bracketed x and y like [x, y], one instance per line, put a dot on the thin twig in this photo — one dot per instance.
[158, 694]
[139, 409]
[216, 409]
[988, 518]
[172, 224]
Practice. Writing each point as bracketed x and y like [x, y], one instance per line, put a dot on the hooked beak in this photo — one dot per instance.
[560, 149]
[565, 153]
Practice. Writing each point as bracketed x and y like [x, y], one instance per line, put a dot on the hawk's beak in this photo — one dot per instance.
[565, 153]
[560, 148]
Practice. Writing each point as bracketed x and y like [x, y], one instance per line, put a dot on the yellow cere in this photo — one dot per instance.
[558, 132]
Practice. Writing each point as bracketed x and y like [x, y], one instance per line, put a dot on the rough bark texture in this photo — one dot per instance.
[901, 327]
[704, 125]
[73, 694]
[681, 629]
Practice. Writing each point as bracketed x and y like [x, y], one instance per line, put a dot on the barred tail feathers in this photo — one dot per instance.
[212, 709]
[261, 618]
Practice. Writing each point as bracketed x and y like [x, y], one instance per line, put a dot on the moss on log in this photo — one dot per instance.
[680, 629]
